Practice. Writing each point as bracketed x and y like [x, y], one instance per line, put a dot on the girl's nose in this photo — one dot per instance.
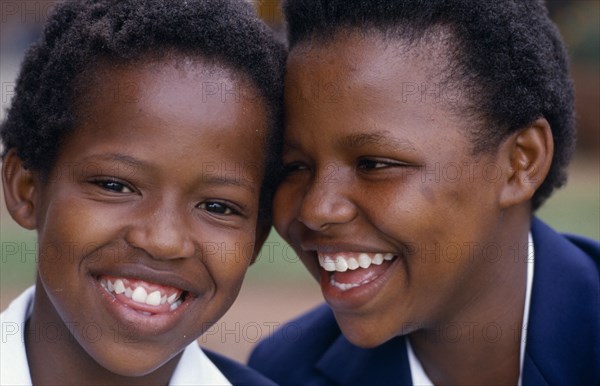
[163, 234]
[325, 204]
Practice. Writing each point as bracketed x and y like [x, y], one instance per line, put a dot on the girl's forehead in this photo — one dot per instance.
[356, 83]
[137, 109]
[209, 81]
[369, 62]
[355, 52]
[176, 64]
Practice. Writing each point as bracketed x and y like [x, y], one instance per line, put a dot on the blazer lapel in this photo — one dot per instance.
[531, 374]
[347, 364]
[563, 333]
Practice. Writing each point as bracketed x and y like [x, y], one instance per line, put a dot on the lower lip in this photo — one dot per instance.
[136, 323]
[357, 297]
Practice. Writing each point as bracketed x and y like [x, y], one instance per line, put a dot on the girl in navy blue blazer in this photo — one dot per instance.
[420, 138]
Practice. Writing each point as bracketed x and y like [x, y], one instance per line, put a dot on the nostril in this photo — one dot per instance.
[328, 209]
[161, 239]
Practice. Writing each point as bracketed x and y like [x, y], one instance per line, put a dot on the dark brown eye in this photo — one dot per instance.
[293, 167]
[217, 208]
[113, 186]
[372, 164]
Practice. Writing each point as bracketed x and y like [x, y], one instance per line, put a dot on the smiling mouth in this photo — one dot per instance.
[144, 297]
[350, 270]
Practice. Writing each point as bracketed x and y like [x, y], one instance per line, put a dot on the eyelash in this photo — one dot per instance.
[210, 206]
[224, 209]
[378, 164]
[363, 164]
[107, 183]
[293, 167]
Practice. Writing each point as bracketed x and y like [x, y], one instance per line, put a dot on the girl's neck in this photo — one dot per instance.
[56, 358]
[482, 343]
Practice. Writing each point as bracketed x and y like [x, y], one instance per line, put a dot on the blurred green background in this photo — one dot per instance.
[277, 286]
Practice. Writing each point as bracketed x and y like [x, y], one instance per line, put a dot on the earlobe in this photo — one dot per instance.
[530, 151]
[19, 190]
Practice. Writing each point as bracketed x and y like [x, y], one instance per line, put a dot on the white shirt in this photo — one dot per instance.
[194, 367]
[420, 378]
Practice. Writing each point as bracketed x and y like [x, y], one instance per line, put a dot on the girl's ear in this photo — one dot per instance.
[529, 152]
[19, 190]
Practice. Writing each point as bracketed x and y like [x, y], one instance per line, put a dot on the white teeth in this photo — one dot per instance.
[342, 286]
[352, 264]
[153, 298]
[119, 287]
[347, 286]
[377, 259]
[171, 299]
[327, 263]
[175, 305]
[341, 265]
[139, 295]
[342, 262]
[364, 260]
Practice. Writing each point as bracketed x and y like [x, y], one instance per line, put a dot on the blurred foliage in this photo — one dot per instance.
[579, 25]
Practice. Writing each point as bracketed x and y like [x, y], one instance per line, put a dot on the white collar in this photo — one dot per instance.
[14, 369]
[194, 367]
[420, 378]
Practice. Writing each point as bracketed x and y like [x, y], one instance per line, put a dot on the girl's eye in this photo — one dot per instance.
[113, 186]
[217, 208]
[293, 167]
[370, 164]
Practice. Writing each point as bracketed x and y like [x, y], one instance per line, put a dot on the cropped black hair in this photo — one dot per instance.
[81, 34]
[508, 53]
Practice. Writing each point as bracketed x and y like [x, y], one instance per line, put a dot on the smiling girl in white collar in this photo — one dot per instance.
[108, 143]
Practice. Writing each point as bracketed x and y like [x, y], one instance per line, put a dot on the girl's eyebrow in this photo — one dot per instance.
[381, 138]
[234, 180]
[118, 157]
[358, 140]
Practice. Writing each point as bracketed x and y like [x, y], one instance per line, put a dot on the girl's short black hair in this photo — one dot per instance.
[81, 34]
[507, 53]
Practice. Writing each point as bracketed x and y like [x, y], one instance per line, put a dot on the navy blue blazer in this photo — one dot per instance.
[236, 373]
[563, 337]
